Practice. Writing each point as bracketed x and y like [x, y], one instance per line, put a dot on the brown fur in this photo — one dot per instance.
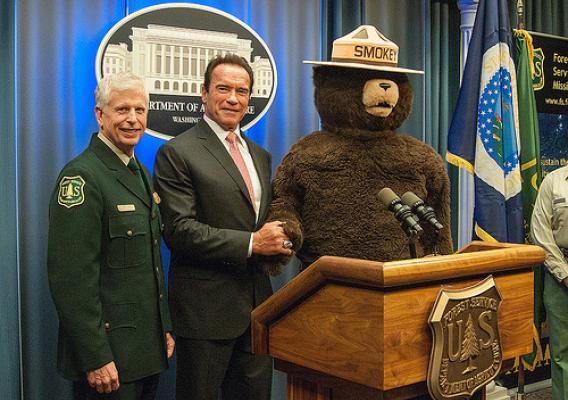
[327, 185]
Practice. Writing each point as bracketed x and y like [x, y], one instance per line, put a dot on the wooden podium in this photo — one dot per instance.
[356, 329]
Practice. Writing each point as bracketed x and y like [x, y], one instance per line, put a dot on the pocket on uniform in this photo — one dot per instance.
[117, 316]
[559, 214]
[127, 240]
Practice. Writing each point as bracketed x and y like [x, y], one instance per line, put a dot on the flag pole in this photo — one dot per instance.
[521, 374]
[520, 15]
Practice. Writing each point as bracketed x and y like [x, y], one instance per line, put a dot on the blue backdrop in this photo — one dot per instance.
[48, 51]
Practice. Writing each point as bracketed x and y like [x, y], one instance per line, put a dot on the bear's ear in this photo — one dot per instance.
[337, 97]
[318, 76]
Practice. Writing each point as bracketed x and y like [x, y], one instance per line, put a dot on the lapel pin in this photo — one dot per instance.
[156, 198]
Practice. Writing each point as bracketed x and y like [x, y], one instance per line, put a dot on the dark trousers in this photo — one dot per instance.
[142, 389]
[206, 368]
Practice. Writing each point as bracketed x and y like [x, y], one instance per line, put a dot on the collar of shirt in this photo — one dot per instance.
[222, 134]
[123, 157]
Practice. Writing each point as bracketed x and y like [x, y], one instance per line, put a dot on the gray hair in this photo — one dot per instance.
[119, 81]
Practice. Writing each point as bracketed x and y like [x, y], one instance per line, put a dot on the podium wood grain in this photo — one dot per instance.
[364, 323]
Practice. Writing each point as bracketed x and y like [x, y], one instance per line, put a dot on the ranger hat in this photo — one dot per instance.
[365, 48]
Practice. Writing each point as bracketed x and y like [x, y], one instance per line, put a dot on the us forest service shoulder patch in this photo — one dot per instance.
[71, 192]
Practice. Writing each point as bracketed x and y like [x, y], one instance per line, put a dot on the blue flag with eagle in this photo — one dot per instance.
[484, 133]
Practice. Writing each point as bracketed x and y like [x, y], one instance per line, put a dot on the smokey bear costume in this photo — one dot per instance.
[326, 188]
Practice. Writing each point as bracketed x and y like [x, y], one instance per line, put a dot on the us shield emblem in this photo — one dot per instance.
[71, 192]
[538, 79]
[466, 351]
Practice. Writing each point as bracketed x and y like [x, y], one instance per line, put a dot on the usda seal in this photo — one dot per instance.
[169, 45]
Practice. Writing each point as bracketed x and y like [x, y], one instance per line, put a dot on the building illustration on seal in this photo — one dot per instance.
[172, 60]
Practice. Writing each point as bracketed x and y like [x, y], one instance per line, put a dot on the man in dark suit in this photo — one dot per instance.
[104, 262]
[215, 189]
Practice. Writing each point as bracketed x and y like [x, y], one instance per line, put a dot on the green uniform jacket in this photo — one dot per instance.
[104, 268]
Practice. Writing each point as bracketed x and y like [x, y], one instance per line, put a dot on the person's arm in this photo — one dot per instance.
[438, 197]
[185, 234]
[542, 234]
[288, 197]
[285, 208]
[74, 257]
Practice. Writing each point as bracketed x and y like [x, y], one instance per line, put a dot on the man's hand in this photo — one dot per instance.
[170, 344]
[269, 240]
[104, 379]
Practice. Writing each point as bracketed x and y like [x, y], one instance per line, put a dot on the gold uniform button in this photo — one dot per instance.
[161, 296]
[157, 270]
[155, 242]
[129, 233]
[107, 325]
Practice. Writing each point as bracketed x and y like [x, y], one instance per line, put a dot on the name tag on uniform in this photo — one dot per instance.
[125, 207]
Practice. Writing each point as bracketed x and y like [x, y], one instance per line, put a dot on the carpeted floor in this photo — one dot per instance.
[544, 394]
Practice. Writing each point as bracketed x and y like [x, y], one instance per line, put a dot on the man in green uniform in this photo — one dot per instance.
[104, 262]
[549, 229]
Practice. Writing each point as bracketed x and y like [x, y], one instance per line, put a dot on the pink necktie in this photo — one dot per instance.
[240, 163]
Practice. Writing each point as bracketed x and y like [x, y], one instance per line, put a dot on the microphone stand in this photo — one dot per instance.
[436, 241]
[412, 235]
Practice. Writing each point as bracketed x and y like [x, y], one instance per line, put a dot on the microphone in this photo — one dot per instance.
[402, 212]
[425, 213]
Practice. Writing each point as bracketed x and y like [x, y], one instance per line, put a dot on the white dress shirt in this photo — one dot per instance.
[123, 157]
[243, 148]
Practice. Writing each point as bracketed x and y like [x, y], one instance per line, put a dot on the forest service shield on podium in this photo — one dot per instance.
[466, 351]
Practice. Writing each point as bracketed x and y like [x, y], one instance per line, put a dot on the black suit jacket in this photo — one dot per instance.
[208, 220]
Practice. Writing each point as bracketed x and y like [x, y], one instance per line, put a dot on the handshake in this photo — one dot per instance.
[272, 240]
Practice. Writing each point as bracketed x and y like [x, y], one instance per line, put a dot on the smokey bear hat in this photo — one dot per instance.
[365, 48]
